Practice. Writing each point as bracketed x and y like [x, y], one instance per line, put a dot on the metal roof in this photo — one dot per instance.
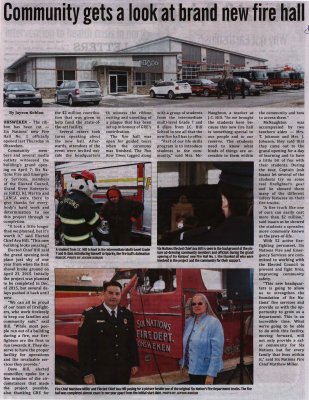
[128, 51]
[191, 43]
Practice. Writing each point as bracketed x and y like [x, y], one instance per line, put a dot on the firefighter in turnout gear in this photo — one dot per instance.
[77, 210]
[107, 341]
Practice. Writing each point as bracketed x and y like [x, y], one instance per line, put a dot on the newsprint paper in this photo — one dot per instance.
[153, 199]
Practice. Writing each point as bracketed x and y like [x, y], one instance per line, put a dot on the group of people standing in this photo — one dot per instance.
[108, 352]
[80, 217]
[230, 85]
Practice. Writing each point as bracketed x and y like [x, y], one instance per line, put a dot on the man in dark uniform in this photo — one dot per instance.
[120, 213]
[107, 342]
[243, 88]
[77, 211]
[230, 87]
[237, 229]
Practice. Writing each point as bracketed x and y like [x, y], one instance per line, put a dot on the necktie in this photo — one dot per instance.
[113, 314]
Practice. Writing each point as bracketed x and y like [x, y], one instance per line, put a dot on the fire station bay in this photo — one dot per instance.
[131, 70]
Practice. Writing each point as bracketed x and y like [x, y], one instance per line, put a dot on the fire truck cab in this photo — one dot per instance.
[297, 79]
[160, 300]
[279, 79]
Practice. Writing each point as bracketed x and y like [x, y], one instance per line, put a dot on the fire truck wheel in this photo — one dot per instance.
[66, 373]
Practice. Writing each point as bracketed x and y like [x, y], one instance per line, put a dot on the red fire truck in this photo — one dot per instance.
[279, 78]
[160, 313]
[297, 79]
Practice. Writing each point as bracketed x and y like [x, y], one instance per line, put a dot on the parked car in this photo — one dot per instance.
[21, 94]
[251, 87]
[78, 92]
[171, 89]
[202, 86]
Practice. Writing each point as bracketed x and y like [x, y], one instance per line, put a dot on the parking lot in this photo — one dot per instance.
[284, 98]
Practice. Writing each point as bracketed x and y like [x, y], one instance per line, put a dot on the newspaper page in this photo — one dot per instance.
[153, 190]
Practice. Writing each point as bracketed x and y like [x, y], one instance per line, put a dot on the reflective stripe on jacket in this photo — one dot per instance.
[78, 216]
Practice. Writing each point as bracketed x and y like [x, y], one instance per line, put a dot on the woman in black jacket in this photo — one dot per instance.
[120, 213]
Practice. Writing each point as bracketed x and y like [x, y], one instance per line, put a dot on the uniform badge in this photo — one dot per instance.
[82, 321]
[100, 320]
[125, 321]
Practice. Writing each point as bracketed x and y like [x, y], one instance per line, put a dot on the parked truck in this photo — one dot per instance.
[258, 75]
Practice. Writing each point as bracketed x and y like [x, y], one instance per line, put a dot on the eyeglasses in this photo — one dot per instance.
[197, 304]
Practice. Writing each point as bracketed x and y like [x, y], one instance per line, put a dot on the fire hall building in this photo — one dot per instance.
[130, 70]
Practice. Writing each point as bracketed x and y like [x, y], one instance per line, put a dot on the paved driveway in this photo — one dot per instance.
[286, 98]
